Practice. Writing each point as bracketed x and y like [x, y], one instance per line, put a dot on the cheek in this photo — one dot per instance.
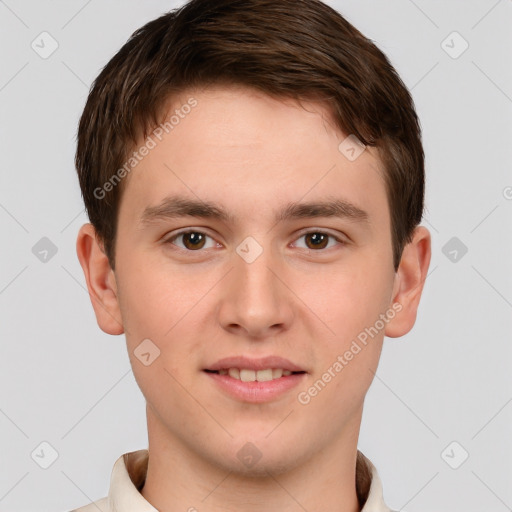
[349, 299]
[163, 306]
[155, 297]
[160, 384]
[335, 396]
[160, 346]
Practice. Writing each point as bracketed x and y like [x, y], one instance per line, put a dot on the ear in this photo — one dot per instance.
[100, 279]
[409, 280]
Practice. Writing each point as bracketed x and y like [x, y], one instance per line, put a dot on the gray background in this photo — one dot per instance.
[64, 381]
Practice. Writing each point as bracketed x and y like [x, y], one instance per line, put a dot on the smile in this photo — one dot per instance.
[248, 375]
[251, 380]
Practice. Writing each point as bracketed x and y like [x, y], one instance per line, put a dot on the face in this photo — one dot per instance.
[257, 279]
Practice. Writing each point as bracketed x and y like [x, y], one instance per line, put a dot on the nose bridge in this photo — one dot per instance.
[255, 282]
[256, 276]
[255, 300]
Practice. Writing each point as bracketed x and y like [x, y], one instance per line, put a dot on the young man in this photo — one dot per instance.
[254, 176]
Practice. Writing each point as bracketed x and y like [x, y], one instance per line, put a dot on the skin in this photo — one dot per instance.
[253, 154]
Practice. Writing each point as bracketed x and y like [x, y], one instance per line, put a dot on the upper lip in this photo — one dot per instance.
[243, 362]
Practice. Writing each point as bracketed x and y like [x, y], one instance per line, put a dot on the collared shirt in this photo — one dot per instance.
[129, 474]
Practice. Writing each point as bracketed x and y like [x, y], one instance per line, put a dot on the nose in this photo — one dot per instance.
[256, 302]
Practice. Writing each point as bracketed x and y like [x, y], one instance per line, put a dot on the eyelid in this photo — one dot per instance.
[340, 239]
[169, 238]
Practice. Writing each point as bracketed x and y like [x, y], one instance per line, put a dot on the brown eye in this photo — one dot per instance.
[316, 240]
[191, 240]
[319, 241]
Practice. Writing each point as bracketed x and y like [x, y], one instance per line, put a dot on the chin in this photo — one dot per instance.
[261, 457]
[264, 468]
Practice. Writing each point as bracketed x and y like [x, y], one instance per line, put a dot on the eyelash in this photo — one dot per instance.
[171, 239]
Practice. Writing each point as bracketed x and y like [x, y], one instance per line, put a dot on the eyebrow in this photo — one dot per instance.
[180, 206]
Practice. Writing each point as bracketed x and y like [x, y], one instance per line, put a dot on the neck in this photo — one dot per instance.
[179, 478]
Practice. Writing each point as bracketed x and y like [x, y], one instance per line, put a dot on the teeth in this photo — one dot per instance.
[234, 372]
[264, 375]
[277, 373]
[246, 375]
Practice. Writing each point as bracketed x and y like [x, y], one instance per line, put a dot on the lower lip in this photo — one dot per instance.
[256, 392]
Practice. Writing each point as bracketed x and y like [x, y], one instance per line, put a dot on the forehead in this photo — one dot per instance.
[242, 147]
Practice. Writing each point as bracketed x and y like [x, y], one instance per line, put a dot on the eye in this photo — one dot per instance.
[317, 240]
[192, 240]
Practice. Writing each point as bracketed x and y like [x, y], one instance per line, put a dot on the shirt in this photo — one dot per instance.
[129, 474]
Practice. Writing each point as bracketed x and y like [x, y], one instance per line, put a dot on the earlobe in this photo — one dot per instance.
[100, 280]
[409, 281]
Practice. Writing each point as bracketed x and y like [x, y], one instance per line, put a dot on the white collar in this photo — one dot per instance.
[129, 473]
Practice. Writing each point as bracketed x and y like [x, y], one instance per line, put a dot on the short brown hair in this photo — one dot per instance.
[299, 49]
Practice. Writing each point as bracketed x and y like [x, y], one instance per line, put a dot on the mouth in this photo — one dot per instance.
[249, 375]
[255, 380]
